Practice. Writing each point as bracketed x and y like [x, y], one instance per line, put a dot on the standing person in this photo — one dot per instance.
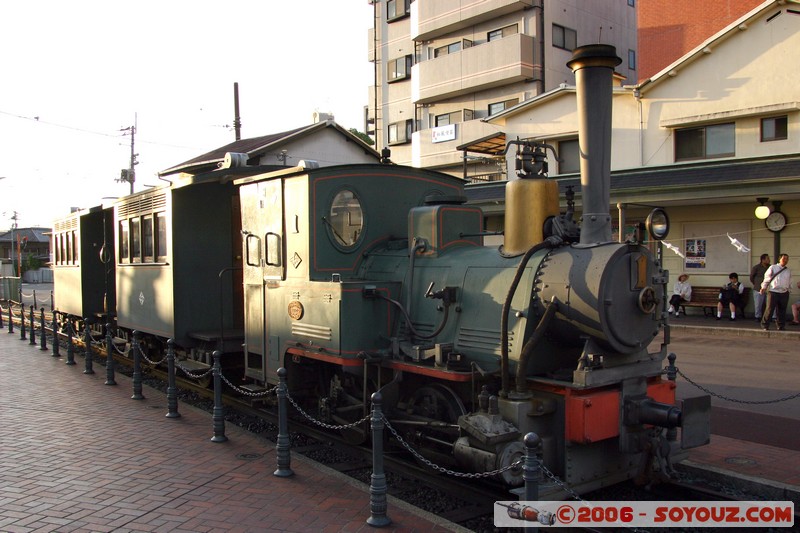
[681, 293]
[756, 278]
[730, 295]
[796, 310]
[777, 284]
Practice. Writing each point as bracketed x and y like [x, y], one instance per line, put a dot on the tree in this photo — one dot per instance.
[363, 136]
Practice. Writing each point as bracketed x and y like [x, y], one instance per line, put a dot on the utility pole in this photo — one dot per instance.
[237, 120]
[14, 218]
[129, 174]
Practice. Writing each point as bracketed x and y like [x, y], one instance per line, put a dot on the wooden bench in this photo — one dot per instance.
[707, 298]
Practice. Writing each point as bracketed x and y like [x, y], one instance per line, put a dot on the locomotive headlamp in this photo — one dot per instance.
[657, 224]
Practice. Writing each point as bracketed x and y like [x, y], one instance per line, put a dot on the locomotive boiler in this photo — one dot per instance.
[362, 278]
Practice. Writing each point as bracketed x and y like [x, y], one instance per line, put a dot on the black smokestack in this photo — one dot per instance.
[594, 68]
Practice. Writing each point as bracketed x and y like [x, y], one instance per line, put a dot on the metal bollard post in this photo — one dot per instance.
[33, 329]
[70, 345]
[109, 356]
[22, 335]
[672, 375]
[531, 472]
[34, 298]
[52, 302]
[87, 347]
[218, 416]
[10, 317]
[283, 443]
[55, 335]
[377, 484]
[172, 394]
[43, 343]
[137, 368]
[1, 317]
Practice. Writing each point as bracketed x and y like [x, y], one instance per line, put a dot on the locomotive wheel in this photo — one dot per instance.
[432, 403]
[436, 402]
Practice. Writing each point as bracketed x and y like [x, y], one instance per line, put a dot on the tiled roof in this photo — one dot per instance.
[254, 147]
[29, 234]
[709, 175]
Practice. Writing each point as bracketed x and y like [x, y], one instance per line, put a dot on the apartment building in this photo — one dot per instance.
[442, 66]
[668, 29]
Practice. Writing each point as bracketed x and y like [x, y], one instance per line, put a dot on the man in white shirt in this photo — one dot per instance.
[776, 285]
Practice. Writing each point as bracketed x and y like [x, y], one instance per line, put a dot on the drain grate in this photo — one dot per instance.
[744, 461]
[248, 456]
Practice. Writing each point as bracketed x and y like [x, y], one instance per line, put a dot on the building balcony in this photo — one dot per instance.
[436, 147]
[492, 64]
[432, 18]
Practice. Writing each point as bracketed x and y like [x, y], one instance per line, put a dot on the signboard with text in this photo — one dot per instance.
[443, 133]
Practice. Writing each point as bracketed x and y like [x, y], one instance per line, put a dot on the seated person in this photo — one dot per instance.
[731, 295]
[680, 294]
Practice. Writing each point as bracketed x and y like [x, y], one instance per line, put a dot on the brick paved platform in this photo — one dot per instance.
[78, 455]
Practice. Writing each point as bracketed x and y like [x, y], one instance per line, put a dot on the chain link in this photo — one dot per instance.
[154, 363]
[438, 468]
[749, 402]
[323, 424]
[189, 373]
[124, 352]
[246, 392]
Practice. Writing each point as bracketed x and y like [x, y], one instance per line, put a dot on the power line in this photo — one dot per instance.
[38, 120]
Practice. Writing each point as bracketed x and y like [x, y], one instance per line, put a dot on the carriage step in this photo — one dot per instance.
[253, 387]
[190, 364]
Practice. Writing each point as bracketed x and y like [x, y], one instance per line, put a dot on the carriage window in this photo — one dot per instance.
[136, 241]
[75, 249]
[124, 242]
[61, 250]
[346, 219]
[147, 238]
[69, 248]
[161, 237]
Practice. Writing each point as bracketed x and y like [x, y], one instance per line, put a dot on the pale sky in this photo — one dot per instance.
[74, 73]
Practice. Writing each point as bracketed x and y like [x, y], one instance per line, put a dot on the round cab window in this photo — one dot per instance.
[346, 219]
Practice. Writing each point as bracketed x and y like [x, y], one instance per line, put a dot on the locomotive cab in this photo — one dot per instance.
[306, 235]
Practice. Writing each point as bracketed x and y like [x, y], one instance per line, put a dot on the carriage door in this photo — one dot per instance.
[262, 243]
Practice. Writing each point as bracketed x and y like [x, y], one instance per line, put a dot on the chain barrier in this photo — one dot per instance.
[246, 392]
[438, 468]
[154, 363]
[323, 424]
[11, 304]
[735, 400]
[188, 371]
[121, 352]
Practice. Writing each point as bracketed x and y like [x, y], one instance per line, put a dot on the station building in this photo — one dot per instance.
[710, 137]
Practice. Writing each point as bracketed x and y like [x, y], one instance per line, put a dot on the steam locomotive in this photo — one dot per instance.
[361, 278]
[374, 277]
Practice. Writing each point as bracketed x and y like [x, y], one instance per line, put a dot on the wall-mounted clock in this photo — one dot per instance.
[776, 221]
